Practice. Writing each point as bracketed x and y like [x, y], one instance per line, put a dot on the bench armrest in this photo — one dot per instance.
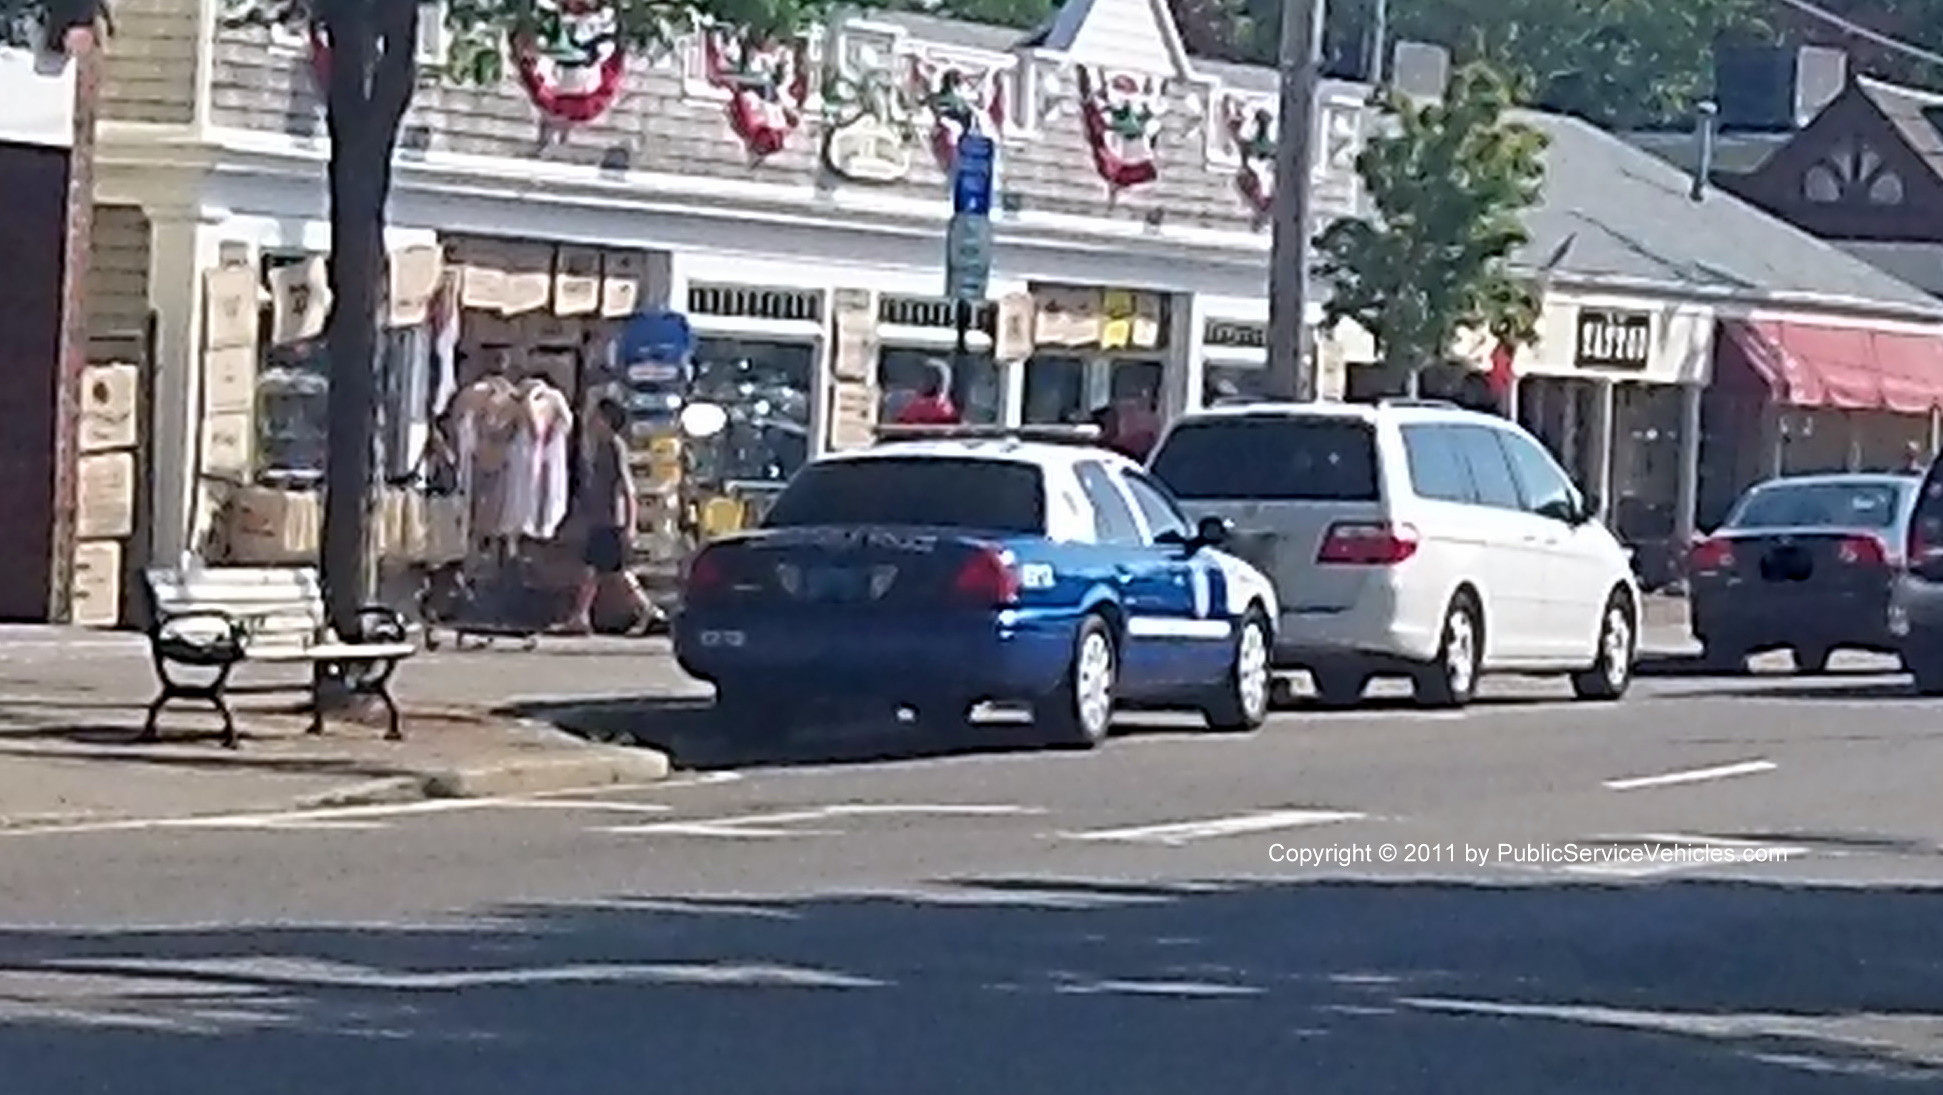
[381, 624]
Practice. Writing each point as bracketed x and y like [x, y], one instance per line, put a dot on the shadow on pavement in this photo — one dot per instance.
[687, 731]
[1825, 687]
[1019, 986]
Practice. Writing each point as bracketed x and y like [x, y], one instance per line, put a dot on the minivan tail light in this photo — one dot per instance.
[987, 579]
[1711, 555]
[1367, 543]
[1862, 551]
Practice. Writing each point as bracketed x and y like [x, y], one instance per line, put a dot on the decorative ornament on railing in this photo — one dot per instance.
[768, 84]
[1122, 118]
[1251, 127]
[870, 121]
[570, 59]
[960, 101]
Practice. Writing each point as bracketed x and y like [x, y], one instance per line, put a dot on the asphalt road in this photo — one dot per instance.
[1006, 920]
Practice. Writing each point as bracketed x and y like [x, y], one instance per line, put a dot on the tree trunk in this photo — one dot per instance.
[371, 81]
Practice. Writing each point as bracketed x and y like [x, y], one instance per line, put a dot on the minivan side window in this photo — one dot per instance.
[1490, 468]
[1113, 521]
[1438, 469]
[1926, 523]
[1543, 484]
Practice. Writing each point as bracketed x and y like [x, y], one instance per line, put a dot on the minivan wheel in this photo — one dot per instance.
[1452, 680]
[1240, 702]
[1079, 713]
[1612, 671]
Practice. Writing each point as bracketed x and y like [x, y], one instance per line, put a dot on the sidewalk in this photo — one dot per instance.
[72, 701]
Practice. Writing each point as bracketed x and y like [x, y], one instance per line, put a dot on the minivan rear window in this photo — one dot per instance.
[1280, 458]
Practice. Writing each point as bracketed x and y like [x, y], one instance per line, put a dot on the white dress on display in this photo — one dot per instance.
[553, 416]
[536, 489]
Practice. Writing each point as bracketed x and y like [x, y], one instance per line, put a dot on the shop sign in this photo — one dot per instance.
[1613, 339]
[741, 302]
[1229, 335]
[930, 312]
[1013, 339]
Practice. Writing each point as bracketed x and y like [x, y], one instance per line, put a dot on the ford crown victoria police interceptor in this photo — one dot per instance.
[969, 567]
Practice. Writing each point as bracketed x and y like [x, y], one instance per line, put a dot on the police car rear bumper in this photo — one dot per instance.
[975, 656]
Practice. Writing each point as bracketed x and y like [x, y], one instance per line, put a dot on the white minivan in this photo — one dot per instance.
[1412, 538]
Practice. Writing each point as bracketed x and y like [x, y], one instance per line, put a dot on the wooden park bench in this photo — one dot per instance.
[208, 621]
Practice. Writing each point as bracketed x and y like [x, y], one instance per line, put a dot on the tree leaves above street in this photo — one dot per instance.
[1447, 183]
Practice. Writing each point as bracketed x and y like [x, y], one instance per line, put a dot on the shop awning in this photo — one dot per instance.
[1840, 368]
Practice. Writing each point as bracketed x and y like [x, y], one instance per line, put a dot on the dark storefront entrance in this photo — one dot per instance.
[33, 191]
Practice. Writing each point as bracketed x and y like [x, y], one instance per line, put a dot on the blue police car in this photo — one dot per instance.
[948, 567]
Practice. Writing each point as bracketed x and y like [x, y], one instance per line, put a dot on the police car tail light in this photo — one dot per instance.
[707, 574]
[1711, 555]
[1367, 543]
[1862, 551]
[987, 578]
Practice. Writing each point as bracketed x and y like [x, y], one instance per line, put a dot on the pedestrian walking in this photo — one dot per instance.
[608, 501]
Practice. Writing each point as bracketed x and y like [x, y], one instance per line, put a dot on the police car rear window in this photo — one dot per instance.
[986, 495]
[1274, 458]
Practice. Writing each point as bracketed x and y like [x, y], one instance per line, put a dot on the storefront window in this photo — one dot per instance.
[975, 387]
[1077, 390]
[766, 389]
[292, 414]
[1233, 384]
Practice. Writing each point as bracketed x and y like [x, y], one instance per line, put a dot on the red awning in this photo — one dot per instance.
[1842, 368]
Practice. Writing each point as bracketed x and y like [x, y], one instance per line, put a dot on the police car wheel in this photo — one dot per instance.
[1241, 701]
[1080, 712]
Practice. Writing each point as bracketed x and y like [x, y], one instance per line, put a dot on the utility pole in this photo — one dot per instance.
[1291, 370]
[1379, 38]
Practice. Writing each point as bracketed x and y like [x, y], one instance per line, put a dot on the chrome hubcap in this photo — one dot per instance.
[1618, 650]
[1093, 682]
[1460, 657]
[1251, 671]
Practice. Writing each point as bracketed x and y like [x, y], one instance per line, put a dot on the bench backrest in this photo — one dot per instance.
[281, 606]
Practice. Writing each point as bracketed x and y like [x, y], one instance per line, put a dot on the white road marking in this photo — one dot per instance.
[776, 825]
[1180, 832]
[1696, 775]
[336, 817]
[582, 804]
[272, 972]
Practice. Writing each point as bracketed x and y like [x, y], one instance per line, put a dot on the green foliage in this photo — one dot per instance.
[1619, 63]
[1448, 186]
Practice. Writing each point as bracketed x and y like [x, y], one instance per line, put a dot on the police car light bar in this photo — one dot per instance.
[1053, 435]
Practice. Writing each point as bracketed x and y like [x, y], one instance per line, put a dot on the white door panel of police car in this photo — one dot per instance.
[1204, 626]
[1151, 587]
